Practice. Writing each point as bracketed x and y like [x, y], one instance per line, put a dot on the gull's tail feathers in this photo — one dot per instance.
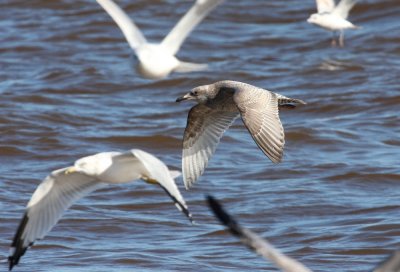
[175, 173]
[286, 102]
[356, 27]
[187, 67]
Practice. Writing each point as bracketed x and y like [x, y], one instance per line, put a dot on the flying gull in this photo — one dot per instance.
[63, 187]
[219, 104]
[157, 61]
[254, 241]
[333, 18]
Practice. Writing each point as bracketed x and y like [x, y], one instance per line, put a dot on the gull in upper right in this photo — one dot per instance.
[333, 18]
[157, 61]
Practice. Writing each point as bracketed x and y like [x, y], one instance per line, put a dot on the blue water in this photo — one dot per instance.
[69, 88]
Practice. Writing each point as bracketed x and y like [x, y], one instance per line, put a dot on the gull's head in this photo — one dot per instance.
[201, 94]
[314, 18]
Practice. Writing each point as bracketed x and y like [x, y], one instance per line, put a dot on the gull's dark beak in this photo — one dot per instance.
[182, 98]
[179, 99]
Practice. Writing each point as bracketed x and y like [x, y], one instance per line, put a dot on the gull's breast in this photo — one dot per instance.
[155, 62]
[334, 23]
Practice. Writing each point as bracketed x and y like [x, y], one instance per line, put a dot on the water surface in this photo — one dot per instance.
[69, 88]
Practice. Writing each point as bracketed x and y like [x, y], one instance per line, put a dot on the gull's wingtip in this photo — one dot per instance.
[224, 216]
[188, 186]
[189, 181]
[12, 261]
[17, 249]
[390, 264]
[184, 210]
[277, 160]
[181, 206]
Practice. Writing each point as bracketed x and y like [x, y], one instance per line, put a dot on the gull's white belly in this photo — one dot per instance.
[155, 62]
[334, 23]
[123, 172]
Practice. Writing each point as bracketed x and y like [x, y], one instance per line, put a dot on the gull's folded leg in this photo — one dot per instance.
[341, 38]
[333, 43]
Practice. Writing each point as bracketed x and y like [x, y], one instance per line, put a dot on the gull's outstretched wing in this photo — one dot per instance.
[53, 196]
[255, 242]
[344, 7]
[260, 113]
[325, 5]
[204, 129]
[173, 41]
[158, 172]
[391, 264]
[131, 32]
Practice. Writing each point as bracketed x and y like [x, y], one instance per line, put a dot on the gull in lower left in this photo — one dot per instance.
[63, 187]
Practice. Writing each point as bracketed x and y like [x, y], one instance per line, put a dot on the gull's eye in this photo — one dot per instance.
[194, 93]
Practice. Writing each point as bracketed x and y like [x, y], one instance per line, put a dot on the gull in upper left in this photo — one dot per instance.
[63, 187]
[157, 61]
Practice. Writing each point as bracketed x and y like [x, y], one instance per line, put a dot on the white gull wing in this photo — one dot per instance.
[325, 5]
[260, 113]
[131, 32]
[173, 41]
[54, 195]
[255, 242]
[158, 172]
[344, 7]
[205, 126]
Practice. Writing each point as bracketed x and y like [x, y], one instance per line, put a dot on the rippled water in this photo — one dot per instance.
[69, 88]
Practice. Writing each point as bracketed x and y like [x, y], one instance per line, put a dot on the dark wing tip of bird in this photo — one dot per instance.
[224, 217]
[17, 246]
[184, 209]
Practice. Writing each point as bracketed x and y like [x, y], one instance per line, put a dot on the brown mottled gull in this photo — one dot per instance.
[219, 104]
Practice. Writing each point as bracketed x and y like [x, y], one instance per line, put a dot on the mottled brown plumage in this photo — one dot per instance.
[219, 105]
